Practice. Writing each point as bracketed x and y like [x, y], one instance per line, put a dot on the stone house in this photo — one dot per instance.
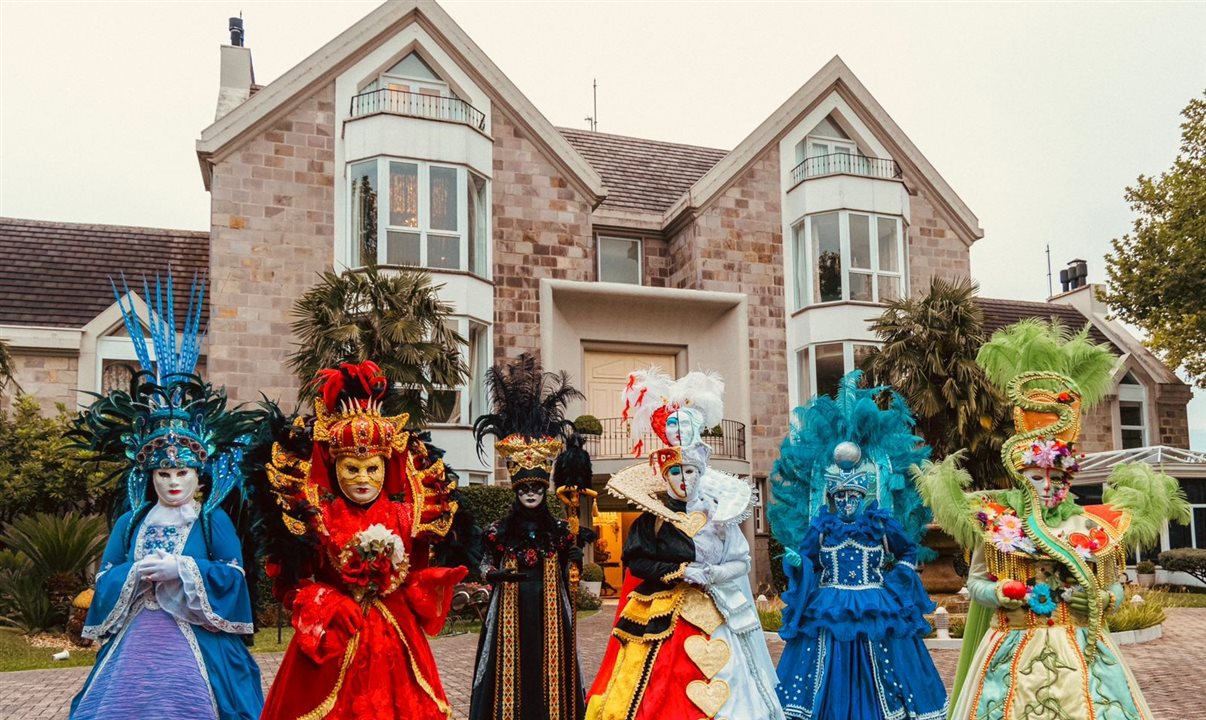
[401, 141]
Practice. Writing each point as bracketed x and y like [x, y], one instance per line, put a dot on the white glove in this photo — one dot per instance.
[159, 567]
[697, 574]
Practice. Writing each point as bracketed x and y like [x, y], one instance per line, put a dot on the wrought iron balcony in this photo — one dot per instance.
[431, 107]
[614, 443]
[845, 164]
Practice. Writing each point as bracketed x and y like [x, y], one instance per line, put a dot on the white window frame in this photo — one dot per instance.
[474, 386]
[640, 244]
[802, 249]
[424, 229]
[806, 362]
[1133, 393]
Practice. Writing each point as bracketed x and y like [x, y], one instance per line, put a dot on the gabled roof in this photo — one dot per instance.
[642, 175]
[322, 66]
[835, 76]
[999, 313]
[55, 274]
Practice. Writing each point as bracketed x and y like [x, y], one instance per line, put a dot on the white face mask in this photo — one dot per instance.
[175, 486]
[1051, 485]
[530, 495]
[681, 481]
[682, 427]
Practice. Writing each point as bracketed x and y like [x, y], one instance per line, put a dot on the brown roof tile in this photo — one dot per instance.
[57, 274]
[642, 175]
[999, 313]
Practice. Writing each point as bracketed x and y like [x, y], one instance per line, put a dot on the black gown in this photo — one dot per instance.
[527, 664]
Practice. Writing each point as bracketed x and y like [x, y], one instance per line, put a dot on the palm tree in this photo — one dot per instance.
[929, 356]
[396, 320]
[8, 368]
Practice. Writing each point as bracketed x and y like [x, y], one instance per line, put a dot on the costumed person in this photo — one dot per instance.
[527, 654]
[171, 603]
[1045, 571]
[847, 512]
[687, 641]
[363, 497]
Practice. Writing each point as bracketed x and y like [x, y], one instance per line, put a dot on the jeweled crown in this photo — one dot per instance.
[359, 429]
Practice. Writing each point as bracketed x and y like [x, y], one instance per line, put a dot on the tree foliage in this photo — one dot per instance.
[8, 368]
[1157, 272]
[928, 355]
[395, 319]
[39, 473]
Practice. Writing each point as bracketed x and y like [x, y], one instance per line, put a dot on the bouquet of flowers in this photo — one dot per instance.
[373, 563]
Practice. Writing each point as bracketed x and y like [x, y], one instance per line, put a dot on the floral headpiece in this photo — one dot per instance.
[1050, 453]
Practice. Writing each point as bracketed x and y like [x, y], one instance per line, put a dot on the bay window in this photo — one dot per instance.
[820, 367]
[460, 405]
[848, 256]
[429, 215]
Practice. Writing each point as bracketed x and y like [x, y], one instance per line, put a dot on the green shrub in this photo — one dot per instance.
[1145, 567]
[586, 600]
[716, 431]
[1191, 561]
[775, 550]
[488, 503]
[58, 553]
[592, 572]
[38, 473]
[588, 425]
[956, 627]
[772, 618]
[1132, 616]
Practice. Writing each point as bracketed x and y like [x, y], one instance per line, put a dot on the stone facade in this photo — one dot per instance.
[542, 229]
[1172, 416]
[272, 232]
[933, 249]
[50, 378]
[735, 244]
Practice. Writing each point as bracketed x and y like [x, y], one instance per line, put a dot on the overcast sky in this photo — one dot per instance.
[1038, 115]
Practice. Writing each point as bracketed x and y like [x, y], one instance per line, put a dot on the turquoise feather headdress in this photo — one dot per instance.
[172, 418]
[883, 431]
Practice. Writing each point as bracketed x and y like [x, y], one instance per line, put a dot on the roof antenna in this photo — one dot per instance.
[1050, 289]
[592, 120]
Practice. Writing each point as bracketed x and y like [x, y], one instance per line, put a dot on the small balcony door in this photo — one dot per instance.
[606, 374]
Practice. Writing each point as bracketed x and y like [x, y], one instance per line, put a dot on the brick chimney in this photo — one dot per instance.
[237, 76]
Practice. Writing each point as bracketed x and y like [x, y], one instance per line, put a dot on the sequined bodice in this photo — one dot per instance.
[851, 565]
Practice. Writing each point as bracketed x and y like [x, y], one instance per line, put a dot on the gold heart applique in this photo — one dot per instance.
[710, 656]
[708, 696]
[690, 523]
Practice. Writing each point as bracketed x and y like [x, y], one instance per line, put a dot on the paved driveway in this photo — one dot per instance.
[1172, 670]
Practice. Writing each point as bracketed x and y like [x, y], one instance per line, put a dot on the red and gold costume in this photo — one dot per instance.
[364, 599]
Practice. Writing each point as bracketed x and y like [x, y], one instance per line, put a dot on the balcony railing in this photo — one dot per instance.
[614, 443]
[845, 164]
[431, 107]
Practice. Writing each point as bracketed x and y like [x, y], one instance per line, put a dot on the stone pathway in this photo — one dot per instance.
[1170, 670]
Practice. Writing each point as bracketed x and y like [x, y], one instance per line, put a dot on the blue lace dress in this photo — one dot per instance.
[854, 632]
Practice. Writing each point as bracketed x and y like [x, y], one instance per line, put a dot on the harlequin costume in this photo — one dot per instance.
[362, 595]
[1045, 571]
[527, 660]
[687, 641]
[171, 604]
[846, 510]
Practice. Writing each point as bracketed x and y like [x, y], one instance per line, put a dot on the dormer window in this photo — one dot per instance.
[829, 150]
[411, 75]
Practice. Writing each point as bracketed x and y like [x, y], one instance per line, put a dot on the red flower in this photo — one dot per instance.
[355, 571]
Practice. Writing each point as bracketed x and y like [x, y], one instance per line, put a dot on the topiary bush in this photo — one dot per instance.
[1191, 561]
[587, 600]
[1145, 567]
[488, 503]
[592, 572]
[588, 425]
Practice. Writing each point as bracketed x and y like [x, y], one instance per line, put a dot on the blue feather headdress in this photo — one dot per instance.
[882, 430]
[171, 418]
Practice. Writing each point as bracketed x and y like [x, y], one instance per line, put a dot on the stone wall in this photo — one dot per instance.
[934, 248]
[272, 232]
[736, 245]
[542, 229]
[1172, 416]
[49, 378]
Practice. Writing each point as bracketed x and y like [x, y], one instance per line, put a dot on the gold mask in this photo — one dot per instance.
[359, 478]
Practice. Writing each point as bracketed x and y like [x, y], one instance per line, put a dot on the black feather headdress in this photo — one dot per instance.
[528, 417]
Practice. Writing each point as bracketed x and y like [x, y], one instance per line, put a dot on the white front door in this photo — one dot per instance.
[606, 375]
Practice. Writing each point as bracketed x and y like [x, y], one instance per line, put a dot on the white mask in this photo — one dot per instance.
[175, 486]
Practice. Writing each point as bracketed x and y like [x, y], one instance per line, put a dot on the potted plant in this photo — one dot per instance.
[588, 425]
[592, 578]
[1146, 572]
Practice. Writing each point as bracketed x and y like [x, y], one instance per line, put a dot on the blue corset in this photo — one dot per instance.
[851, 565]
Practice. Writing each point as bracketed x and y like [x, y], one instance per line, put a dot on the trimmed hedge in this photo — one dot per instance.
[491, 503]
[1191, 561]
